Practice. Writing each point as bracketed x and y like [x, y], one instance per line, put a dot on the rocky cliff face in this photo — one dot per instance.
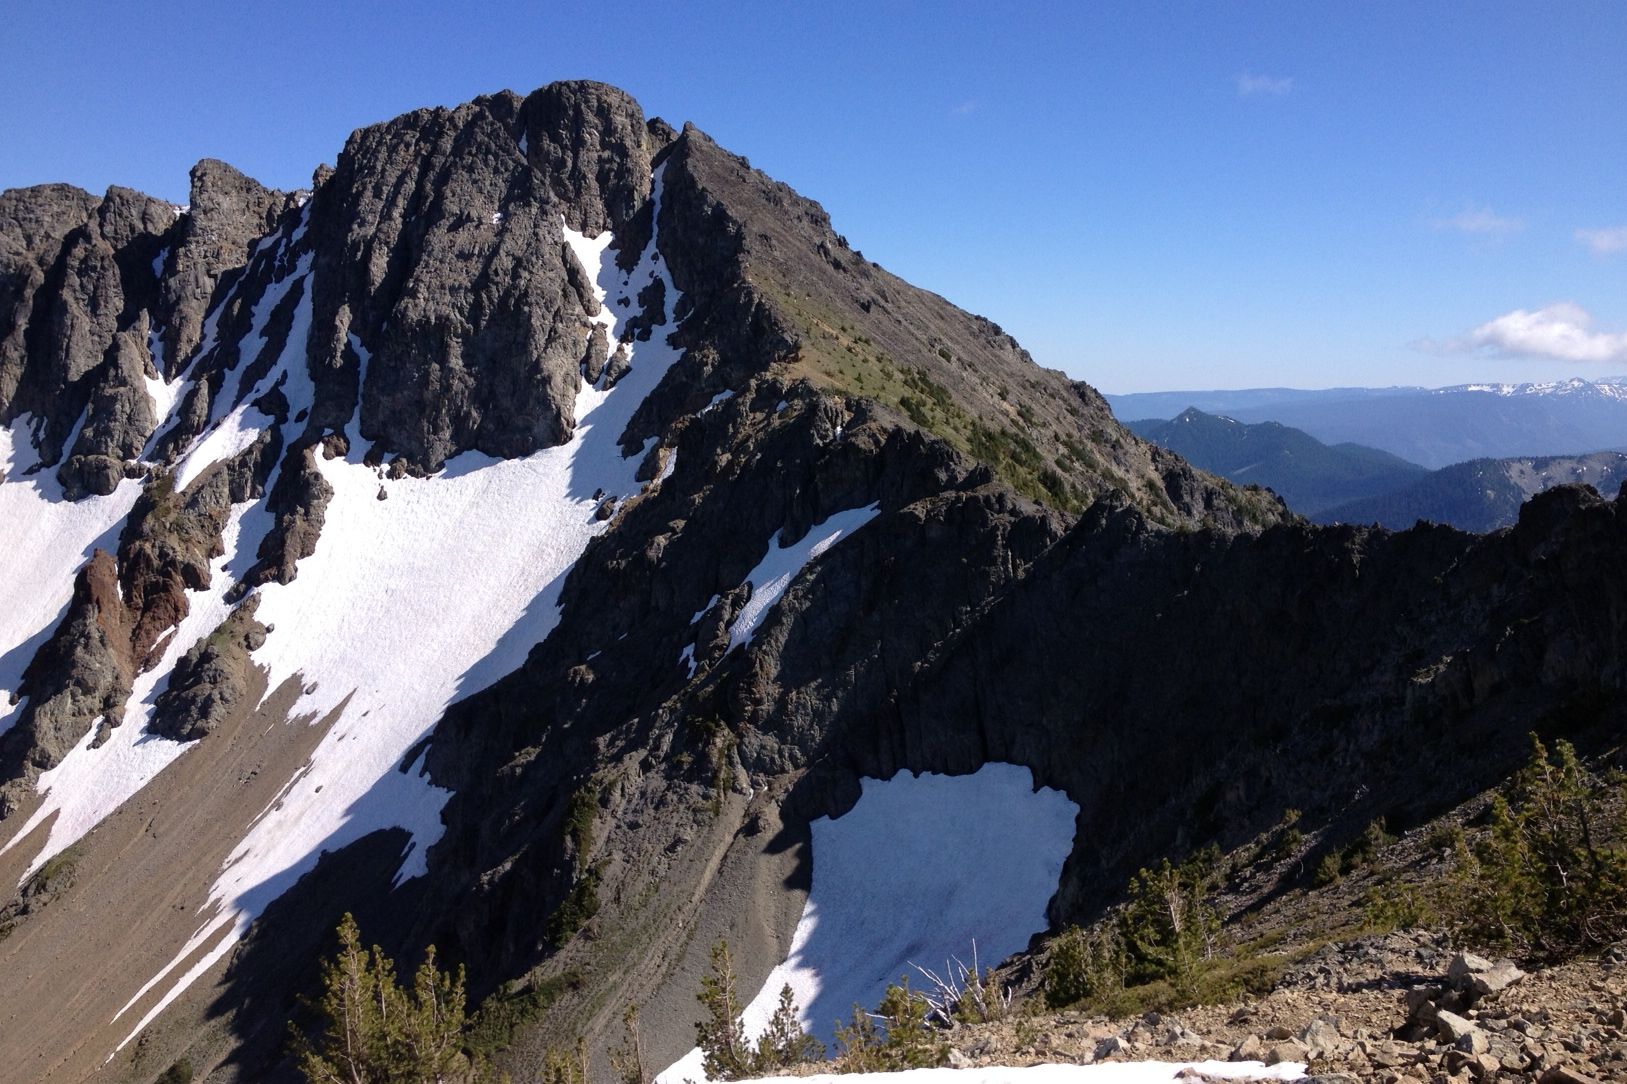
[416, 534]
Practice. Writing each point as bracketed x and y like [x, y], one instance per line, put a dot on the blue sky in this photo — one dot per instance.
[1148, 195]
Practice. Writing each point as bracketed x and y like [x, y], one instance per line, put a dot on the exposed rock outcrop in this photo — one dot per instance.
[81, 676]
[212, 679]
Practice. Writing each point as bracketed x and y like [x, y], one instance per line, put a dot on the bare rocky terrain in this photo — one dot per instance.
[1368, 1009]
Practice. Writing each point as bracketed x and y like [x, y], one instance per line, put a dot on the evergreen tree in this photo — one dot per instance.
[784, 1043]
[1167, 927]
[1543, 882]
[379, 1033]
[721, 1035]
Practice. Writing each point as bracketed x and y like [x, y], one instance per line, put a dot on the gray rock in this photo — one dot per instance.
[1114, 1046]
[210, 245]
[1451, 1027]
[1495, 980]
[1322, 1039]
[1252, 1048]
[76, 286]
[1564, 1074]
[1463, 965]
[1289, 1050]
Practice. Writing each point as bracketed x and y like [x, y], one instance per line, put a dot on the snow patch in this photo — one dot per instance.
[245, 421]
[872, 911]
[163, 393]
[686, 658]
[353, 431]
[780, 566]
[717, 400]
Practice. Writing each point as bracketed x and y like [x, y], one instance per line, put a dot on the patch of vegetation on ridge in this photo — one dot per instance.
[580, 812]
[579, 905]
[839, 358]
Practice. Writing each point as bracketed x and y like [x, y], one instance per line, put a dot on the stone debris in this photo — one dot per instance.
[1470, 1020]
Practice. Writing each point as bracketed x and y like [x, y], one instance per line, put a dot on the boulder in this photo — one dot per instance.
[1451, 1027]
[1113, 1046]
[1479, 977]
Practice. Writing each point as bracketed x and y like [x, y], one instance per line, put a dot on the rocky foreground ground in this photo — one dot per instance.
[1392, 1009]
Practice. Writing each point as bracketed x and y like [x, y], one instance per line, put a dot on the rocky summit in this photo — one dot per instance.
[526, 536]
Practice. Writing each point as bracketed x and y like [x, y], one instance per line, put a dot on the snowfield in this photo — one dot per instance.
[967, 858]
[363, 626]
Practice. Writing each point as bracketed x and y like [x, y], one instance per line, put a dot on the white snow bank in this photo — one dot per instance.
[389, 621]
[780, 566]
[245, 422]
[163, 393]
[920, 868]
[1121, 1072]
[44, 540]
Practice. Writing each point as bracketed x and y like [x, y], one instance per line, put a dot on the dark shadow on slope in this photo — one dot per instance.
[279, 960]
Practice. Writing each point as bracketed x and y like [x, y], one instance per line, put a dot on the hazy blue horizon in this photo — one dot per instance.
[1149, 197]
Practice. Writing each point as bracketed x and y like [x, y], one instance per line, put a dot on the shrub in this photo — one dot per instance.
[580, 812]
[378, 1032]
[1329, 869]
[1083, 965]
[784, 1043]
[895, 1037]
[962, 994]
[1159, 951]
[1399, 906]
[1542, 881]
[580, 905]
[559, 1067]
[1168, 928]
[1289, 837]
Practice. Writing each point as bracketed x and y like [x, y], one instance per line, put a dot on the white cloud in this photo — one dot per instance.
[970, 105]
[1249, 85]
[1606, 241]
[1480, 221]
[1560, 331]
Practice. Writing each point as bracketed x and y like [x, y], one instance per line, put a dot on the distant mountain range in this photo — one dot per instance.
[1434, 427]
[1352, 483]
[1482, 494]
[1306, 473]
